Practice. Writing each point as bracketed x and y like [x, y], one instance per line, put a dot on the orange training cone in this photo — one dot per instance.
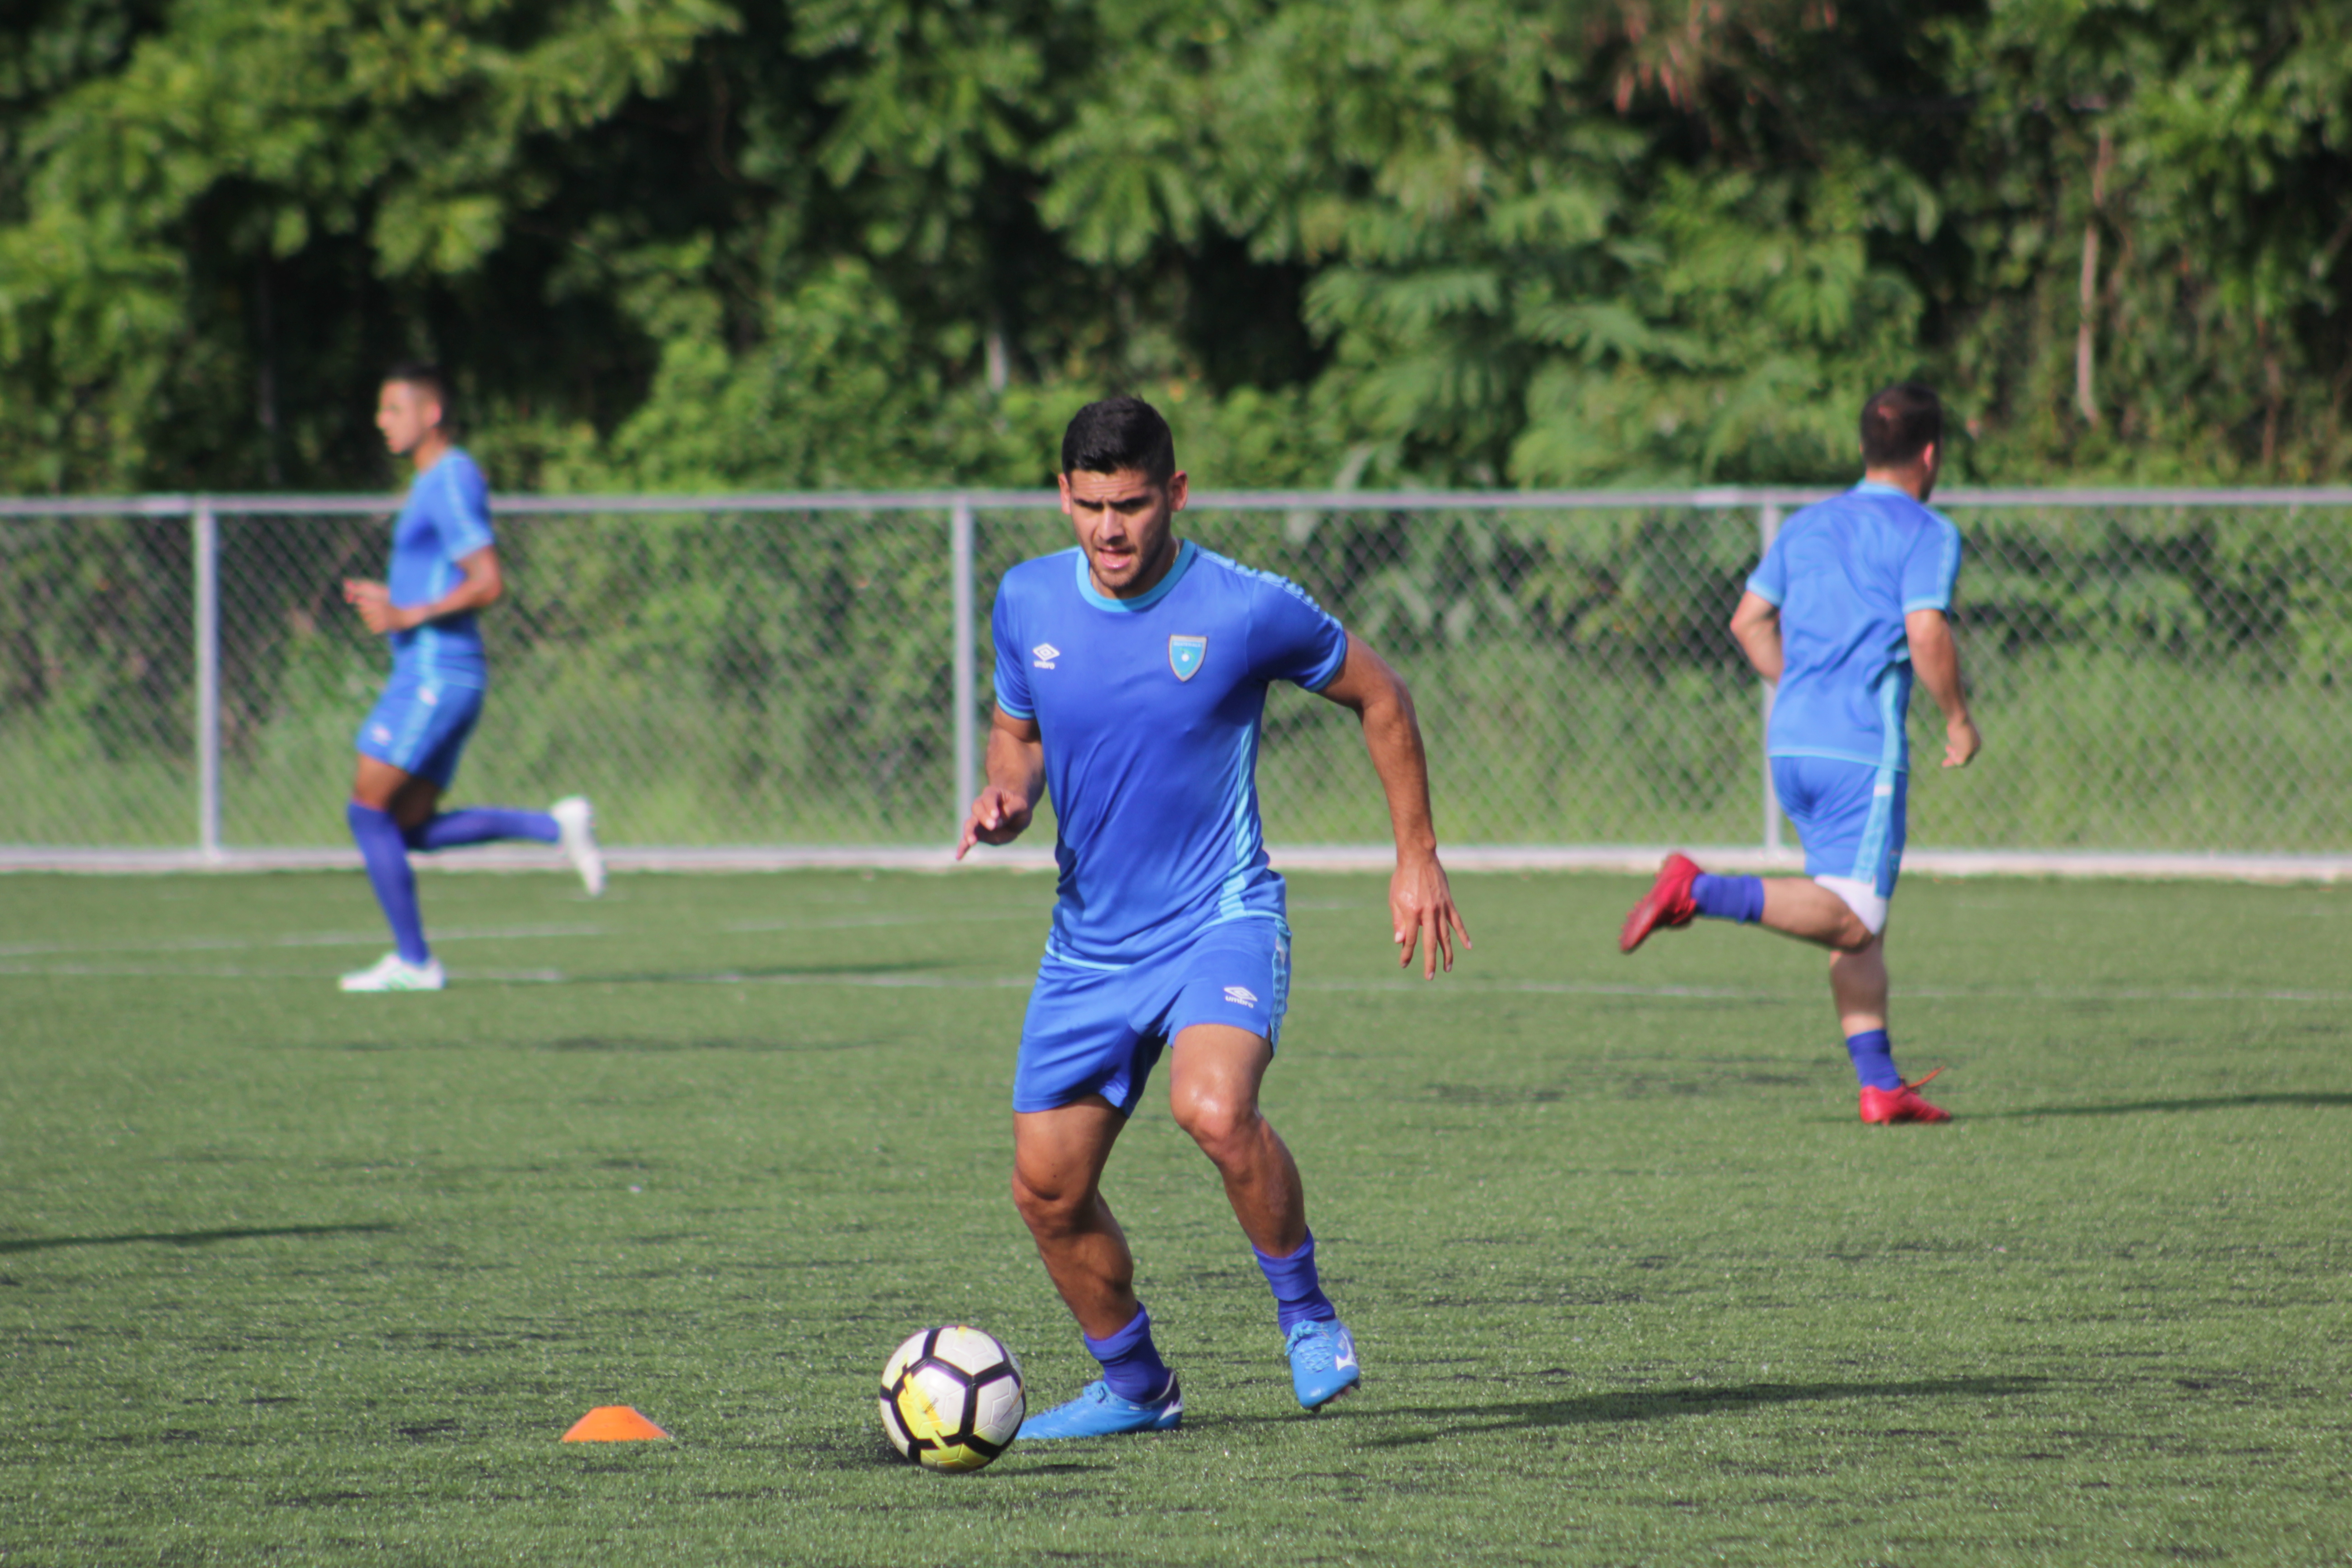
[612, 1423]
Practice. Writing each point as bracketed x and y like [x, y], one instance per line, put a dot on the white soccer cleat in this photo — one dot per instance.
[575, 820]
[394, 973]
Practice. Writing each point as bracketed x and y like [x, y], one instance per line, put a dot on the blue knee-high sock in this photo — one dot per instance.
[1130, 1362]
[482, 825]
[395, 885]
[1873, 1059]
[1737, 898]
[1297, 1292]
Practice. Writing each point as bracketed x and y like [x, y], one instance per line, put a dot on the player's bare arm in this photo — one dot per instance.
[1420, 901]
[1001, 813]
[482, 585]
[1756, 627]
[1936, 659]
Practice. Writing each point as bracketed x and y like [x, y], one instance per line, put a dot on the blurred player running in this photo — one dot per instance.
[444, 567]
[1853, 598]
[1132, 675]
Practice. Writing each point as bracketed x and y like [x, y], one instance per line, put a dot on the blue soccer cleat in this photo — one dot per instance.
[1096, 1412]
[1322, 1361]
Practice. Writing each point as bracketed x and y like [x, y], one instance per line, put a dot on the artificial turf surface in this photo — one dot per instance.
[292, 1277]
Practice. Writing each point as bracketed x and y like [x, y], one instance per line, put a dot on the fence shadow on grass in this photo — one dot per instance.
[190, 1237]
[1655, 1404]
[2201, 1102]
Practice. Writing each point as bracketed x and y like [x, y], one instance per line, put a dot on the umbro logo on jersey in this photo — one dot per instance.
[1185, 654]
[1046, 653]
[1240, 995]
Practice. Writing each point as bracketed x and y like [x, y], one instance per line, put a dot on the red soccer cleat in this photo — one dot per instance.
[1667, 903]
[1885, 1107]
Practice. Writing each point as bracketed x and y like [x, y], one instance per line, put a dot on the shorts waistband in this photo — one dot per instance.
[1059, 955]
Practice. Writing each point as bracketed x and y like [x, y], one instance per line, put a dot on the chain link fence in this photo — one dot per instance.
[2154, 671]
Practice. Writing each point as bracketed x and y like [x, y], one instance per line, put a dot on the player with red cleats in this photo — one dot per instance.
[1850, 602]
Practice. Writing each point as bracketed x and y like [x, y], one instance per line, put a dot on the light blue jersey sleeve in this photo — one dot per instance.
[1932, 568]
[1012, 669]
[1770, 581]
[1291, 636]
[461, 510]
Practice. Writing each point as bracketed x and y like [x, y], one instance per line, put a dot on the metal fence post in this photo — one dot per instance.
[207, 586]
[966, 695]
[1767, 528]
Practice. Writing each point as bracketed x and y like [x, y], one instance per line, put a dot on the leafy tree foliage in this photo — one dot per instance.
[695, 244]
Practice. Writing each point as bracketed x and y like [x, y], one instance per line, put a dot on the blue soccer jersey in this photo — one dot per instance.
[1844, 575]
[445, 518]
[1150, 709]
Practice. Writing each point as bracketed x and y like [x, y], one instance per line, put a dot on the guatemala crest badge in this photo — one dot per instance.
[1185, 654]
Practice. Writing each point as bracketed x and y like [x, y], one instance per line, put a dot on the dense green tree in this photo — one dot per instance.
[682, 243]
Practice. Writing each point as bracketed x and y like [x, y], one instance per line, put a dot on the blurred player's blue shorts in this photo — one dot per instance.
[1849, 817]
[1098, 1029]
[421, 727]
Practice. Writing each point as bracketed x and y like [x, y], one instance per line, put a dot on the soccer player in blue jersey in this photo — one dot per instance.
[1852, 600]
[445, 568]
[1131, 675]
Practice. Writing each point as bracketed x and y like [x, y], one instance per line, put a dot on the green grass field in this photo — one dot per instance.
[290, 1277]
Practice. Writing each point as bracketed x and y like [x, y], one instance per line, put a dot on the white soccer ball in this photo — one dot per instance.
[952, 1398]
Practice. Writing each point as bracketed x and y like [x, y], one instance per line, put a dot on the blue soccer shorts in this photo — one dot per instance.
[1099, 1029]
[420, 728]
[1851, 818]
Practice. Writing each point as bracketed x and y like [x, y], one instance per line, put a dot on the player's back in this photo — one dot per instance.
[1844, 573]
[446, 518]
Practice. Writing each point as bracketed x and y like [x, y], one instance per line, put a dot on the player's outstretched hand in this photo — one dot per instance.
[1961, 742]
[1421, 906]
[998, 816]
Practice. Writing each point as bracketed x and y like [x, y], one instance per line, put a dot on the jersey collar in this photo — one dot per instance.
[1185, 550]
[1874, 488]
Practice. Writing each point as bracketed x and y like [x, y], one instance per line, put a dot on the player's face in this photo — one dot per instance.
[406, 414]
[1126, 526]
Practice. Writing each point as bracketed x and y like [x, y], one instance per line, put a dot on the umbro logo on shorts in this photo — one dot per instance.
[1046, 653]
[381, 736]
[1240, 995]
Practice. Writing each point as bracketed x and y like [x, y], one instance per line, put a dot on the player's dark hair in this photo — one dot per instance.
[1900, 422]
[1119, 433]
[426, 376]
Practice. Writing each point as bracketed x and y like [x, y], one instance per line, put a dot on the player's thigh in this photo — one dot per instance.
[456, 710]
[1059, 1155]
[1236, 974]
[1214, 1076]
[1851, 818]
[376, 784]
[420, 729]
[1232, 987]
[1830, 800]
[1083, 1036]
